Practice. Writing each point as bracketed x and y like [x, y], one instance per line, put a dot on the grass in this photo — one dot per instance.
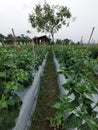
[48, 96]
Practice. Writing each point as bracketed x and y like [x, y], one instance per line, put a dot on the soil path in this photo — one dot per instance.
[48, 96]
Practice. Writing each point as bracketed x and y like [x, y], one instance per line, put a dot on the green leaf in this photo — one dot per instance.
[2, 74]
[95, 68]
[57, 105]
[92, 124]
[11, 101]
[16, 99]
[9, 63]
[3, 103]
[15, 88]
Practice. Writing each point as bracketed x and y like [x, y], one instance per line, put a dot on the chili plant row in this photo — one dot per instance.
[16, 68]
[79, 64]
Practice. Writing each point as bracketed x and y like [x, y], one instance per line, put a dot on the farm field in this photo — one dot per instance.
[48, 65]
[78, 64]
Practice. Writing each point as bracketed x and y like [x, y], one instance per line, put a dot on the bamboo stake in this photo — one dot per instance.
[91, 35]
[15, 44]
[81, 41]
[33, 49]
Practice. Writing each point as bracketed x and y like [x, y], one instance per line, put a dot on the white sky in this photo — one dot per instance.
[14, 14]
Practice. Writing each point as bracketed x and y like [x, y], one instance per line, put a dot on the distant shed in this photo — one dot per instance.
[41, 40]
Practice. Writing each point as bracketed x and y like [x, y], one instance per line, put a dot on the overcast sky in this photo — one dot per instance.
[15, 14]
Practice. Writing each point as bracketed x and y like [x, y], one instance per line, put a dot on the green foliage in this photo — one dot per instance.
[16, 68]
[95, 68]
[48, 18]
[9, 39]
[94, 51]
[77, 66]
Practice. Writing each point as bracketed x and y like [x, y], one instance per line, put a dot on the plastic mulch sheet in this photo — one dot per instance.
[29, 99]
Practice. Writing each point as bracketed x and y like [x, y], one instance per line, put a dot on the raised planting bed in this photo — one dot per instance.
[78, 107]
[29, 99]
[16, 68]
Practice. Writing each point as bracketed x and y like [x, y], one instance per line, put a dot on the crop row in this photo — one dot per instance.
[16, 68]
[79, 64]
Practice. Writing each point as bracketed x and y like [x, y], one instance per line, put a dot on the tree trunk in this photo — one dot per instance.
[52, 37]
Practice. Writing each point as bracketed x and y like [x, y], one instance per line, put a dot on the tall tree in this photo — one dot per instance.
[47, 18]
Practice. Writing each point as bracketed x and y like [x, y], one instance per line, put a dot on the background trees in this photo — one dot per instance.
[22, 39]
